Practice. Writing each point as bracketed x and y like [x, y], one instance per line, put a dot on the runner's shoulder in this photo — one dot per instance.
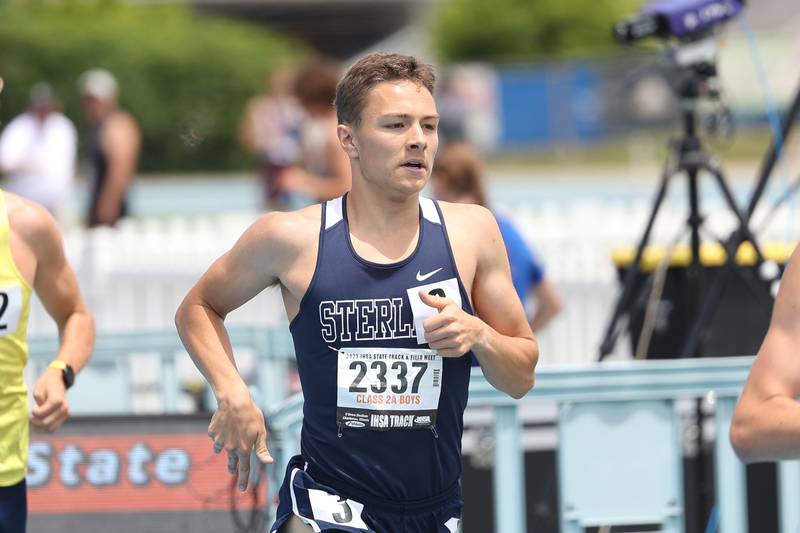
[289, 230]
[31, 221]
[466, 217]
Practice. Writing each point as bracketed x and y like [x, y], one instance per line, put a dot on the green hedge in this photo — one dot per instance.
[186, 77]
[525, 30]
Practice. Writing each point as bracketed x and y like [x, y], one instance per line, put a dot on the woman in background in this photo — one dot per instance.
[458, 177]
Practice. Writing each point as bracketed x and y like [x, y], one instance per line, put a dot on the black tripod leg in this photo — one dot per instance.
[712, 297]
[628, 294]
[694, 273]
[706, 313]
[744, 229]
[773, 154]
[742, 234]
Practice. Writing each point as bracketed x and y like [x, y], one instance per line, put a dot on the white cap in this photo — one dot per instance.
[98, 83]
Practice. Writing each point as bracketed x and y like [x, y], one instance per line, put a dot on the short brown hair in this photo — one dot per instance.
[459, 168]
[315, 82]
[369, 71]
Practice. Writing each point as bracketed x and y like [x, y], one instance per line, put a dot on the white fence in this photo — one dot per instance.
[134, 276]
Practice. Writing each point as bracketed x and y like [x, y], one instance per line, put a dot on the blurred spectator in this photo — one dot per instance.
[37, 152]
[458, 177]
[324, 170]
[270, 129]
[453, 110]
[114, 141]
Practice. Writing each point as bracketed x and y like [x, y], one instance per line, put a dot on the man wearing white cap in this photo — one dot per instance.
[37, 152]
[114, 142]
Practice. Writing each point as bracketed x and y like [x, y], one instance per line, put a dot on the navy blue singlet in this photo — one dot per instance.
[383, 414]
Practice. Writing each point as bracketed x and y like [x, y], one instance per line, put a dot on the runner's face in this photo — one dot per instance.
[397, 137]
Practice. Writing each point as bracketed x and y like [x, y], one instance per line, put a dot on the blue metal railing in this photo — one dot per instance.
[611, 392]
[606, 385]
[107, 382]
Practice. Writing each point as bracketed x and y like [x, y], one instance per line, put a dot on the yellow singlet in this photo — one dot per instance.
[15, 296]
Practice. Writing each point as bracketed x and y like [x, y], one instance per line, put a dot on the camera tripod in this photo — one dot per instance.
[688, 157]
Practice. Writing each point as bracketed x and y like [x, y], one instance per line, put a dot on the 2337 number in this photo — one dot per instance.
[400, 381]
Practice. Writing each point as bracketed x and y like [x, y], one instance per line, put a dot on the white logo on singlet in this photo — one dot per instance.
[423, 277]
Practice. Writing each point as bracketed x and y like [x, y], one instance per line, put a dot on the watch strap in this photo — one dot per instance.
[59, 364]
[67, 374]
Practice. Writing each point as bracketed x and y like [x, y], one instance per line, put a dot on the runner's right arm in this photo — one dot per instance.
[253, 264]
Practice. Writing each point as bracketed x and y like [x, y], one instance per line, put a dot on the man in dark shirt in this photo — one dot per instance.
[114, 142]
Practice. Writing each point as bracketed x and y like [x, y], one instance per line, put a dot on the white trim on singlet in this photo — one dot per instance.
[306, 521]
[429, 211]
[333, 212]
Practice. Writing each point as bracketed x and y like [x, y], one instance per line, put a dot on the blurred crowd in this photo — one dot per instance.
[38, 150]
[290, 131]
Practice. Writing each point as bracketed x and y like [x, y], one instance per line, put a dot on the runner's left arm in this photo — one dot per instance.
[499, 336]
[57, 287]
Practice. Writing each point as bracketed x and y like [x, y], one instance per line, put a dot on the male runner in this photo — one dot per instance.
[32, 257]
[766, 423]
[380, 286]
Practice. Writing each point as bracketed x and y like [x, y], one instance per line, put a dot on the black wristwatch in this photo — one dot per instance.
[67, 374]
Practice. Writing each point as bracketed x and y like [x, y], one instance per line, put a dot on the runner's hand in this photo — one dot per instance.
[51, 407]
[238, 427]
[452, 332]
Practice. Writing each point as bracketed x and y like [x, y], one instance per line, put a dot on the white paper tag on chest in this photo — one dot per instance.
[387, 388]
[444, 289]
[10, 309]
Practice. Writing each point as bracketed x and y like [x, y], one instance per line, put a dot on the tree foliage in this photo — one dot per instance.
[186, 77]
[525, 30]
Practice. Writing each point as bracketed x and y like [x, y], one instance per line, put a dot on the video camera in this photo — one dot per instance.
[685, 20]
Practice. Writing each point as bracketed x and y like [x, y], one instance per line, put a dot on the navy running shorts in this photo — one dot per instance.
[325, 510]
[13, 508]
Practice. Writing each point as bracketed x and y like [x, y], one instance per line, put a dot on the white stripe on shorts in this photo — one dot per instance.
[295, 510]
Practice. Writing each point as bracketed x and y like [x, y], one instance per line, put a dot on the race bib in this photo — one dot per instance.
[10, 309]
[388, 388]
